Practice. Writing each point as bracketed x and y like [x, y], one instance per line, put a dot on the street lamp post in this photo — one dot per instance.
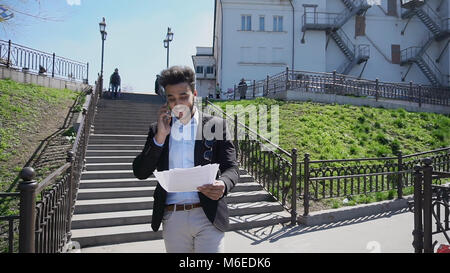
[103, 33]
[169, 38]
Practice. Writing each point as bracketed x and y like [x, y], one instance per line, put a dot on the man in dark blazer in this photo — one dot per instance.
[184, 137]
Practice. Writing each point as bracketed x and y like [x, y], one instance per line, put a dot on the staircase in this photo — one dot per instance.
[332, 23]
[439, 31]
[355, 54]
[114, 207]
[427, 70]
[430, 19]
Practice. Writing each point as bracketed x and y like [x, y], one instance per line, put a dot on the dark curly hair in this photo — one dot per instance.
[176, 75]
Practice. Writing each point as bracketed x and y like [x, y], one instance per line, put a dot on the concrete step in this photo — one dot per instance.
[117, 183]
[110, 153]
[113, 174]
[249, 221]
[88, 237]
[108, 219]
[121, 131]
[247, 187]
[106, 174]
[109, 193]
[245, 197]
[109, 166]
[118, 147]
[117, 137]
[111, 205]
[120, 218]
[110, 159]
[116, 141]
[114, 235]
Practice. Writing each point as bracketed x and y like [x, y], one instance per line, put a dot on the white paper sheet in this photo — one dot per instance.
[187, 180]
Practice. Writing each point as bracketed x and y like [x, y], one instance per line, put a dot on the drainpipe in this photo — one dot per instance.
[293, 34]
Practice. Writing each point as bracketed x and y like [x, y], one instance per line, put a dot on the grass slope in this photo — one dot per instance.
[28, 114]
[330, 131]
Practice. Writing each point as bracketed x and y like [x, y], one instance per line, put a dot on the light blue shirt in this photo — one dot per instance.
[181, 155]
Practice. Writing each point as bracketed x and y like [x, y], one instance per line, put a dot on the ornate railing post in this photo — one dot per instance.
[287, 79]
[411, 94]
[254, 88]
[234, 92]
[418, 232]
[420, 95]
[236, 141]
[87, 73]
[427, 207]
[267, 85]
[306, 187]
[334, 82]
[294, 188]
[70, 159]
[377, 89]
[27, 222]
[400, 175]
[8, 61]
[53, 65]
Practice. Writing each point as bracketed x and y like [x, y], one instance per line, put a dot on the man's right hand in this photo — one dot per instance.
[164, 118]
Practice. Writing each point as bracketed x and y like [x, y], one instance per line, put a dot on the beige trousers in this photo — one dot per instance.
[191, 231]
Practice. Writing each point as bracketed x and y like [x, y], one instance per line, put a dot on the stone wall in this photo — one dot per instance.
[46, 81]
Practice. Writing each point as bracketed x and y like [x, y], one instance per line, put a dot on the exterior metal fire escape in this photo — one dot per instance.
[439, 30]
[332, 23]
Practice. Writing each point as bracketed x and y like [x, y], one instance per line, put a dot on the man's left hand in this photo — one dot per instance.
[213, 191]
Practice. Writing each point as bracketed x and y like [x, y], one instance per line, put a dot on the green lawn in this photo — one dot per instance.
[344, 131]
[24, 109]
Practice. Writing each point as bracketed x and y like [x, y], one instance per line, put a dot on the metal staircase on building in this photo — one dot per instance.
[436, 25]
[439, 29]
[114, 207]
[355, 54]
[332, 23]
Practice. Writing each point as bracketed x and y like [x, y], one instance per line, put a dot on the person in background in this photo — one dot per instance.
[114, 82]
[218, 91]
[242, 89]
[157, 84]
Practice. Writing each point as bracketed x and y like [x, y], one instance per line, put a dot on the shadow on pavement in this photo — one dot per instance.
[275, 233]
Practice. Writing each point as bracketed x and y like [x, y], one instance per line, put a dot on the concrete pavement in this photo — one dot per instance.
[389, 232]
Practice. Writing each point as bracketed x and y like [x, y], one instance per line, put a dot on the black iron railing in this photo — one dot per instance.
[42, 63]
[334, 83]
[430, 202]
[348, 177]
[46, 208]
[273, 167]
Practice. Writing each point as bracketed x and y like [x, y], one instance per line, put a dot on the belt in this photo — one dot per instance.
[183, 207]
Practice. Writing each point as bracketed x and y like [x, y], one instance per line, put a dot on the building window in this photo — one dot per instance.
[278, 23]
[246, 22]
[209, 70]
[199, 70]
[262, 23]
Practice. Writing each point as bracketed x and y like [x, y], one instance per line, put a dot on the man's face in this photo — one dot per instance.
[180, 99]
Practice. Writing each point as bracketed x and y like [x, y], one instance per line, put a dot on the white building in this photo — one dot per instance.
[364, 38]
[205, 71]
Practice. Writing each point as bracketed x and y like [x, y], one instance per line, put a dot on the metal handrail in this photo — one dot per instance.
[30, 60]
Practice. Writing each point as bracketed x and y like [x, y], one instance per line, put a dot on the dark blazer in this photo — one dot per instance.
[223, 152]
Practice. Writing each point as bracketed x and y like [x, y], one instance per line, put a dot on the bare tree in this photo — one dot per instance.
[25, 12]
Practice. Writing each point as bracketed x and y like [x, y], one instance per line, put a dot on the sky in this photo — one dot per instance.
[136, 30]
